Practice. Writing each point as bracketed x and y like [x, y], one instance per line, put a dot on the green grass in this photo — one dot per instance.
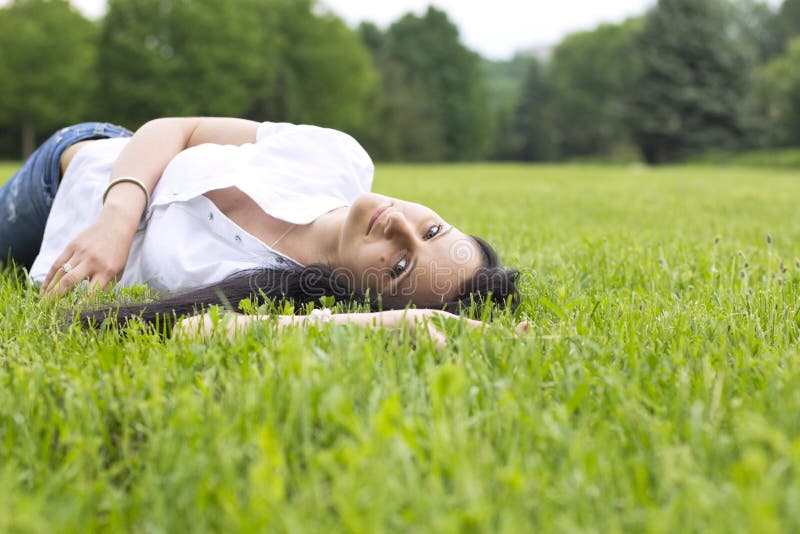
[788, 158]
[6, 170]
[658, 391]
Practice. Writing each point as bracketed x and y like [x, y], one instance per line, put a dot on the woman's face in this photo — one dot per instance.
[401, 249]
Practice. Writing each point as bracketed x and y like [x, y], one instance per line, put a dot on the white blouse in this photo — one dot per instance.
[293, 172]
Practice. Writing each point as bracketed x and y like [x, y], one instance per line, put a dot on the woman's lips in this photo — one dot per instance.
[375, 216]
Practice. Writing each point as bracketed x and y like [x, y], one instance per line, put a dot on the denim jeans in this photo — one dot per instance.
[25, 200]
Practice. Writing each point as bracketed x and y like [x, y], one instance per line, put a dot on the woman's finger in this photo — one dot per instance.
[472, 323]
[59, 276]
[98, 282]
[56, 267]
[71, 279]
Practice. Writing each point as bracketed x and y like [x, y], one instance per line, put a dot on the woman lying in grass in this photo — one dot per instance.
[216, 210]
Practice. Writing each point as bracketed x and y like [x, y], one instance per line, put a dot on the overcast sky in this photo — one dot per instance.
[495, 28]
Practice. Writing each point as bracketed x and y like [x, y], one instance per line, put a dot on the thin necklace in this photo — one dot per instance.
[272, 246]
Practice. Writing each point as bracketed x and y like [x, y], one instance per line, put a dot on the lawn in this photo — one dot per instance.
[659, 388]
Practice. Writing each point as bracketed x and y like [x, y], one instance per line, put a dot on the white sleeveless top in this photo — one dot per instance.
[293, 172]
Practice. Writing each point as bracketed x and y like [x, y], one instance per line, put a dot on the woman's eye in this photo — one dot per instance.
[400, 267]
[433, 230]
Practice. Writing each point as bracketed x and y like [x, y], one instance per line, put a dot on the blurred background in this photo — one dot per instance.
[671, 80]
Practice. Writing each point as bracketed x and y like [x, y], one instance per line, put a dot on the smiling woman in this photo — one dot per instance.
[214, 210]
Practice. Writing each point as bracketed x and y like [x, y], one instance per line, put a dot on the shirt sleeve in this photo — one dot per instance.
[267, 129]
[340, 149]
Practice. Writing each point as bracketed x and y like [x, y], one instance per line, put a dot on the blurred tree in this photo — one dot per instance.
[789, 18]
[47, 53]
[527, 133]
[198, 57]
[325, 73]
[434, 60]
[694, 90]
[779, 87]
[372, 37]
[757, 27]
[591, 74]
[504, 80]
[261, 59]
[406, 127]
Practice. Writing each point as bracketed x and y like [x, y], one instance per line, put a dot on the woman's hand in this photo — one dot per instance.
[417, 319]
[422, 318]
[98, 254]
[414, 319]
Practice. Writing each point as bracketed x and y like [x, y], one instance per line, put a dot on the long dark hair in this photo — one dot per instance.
[303, 285]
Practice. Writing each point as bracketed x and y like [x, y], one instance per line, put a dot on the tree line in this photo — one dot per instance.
[687, 77]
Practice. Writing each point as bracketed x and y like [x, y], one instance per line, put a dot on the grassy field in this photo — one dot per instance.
[659, 389]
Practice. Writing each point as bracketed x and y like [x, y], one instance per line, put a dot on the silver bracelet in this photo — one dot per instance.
[131, 180]
[321, 315]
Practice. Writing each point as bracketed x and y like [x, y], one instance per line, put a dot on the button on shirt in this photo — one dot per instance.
[293, 172]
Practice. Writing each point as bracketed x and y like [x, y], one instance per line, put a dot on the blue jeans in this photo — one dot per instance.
[25, 200]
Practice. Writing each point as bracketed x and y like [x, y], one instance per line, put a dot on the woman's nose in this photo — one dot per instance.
[398, 226]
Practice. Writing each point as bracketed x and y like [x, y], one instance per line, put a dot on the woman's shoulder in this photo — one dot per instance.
[268, 129]
[315, 146]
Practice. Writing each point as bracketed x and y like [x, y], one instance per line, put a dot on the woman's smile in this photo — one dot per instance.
[375, 217]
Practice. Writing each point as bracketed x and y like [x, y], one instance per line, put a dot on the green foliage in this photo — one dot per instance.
[588, 103]
[789, 18]
[504, 80]
[776, 157]
[575, 104]
[694, 90]
[405, 127]
[591, 74]
[674, 84]
[408, 126]
[325, 74]
[47, 53]
[527, 134]
[273, 59]
[779, 85]
[372, 37]
[757, 28]
[656, 392]
[423, 57]
[183, 58]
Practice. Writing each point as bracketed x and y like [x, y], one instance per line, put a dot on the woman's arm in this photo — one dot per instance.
[101, 251]
[414, 319]
[154, 145]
